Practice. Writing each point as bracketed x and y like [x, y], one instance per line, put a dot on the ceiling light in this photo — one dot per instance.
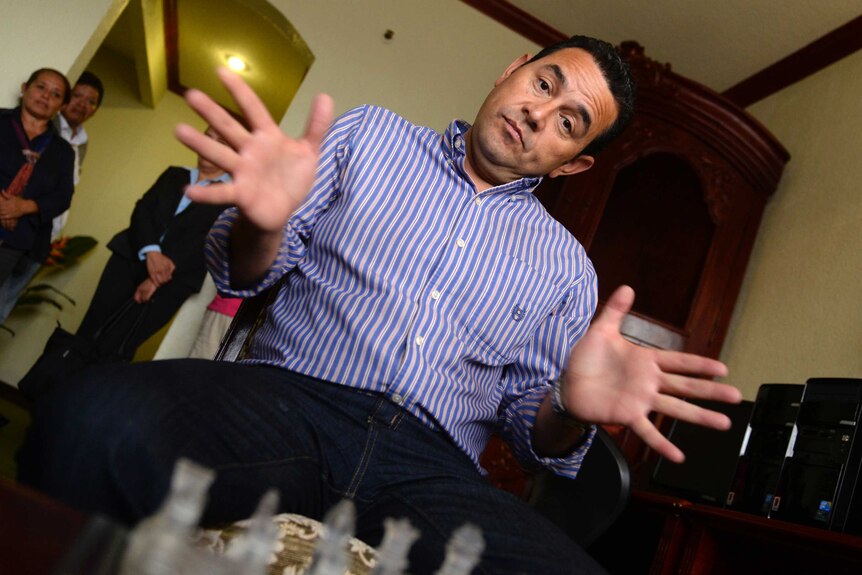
[236, 63]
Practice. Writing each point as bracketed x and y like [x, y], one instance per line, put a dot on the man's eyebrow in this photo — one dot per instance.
[586, 120]
[585, 117]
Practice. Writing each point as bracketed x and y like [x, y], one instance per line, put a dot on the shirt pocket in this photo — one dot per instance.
[512, 301]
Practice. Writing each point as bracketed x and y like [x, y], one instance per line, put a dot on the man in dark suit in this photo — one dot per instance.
[157, 262]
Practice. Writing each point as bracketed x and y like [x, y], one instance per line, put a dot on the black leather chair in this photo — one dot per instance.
[583, 507]
[586, 506]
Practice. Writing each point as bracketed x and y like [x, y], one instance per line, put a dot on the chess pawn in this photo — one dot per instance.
[161, 544]
[398, 536]
[251, 551]
[463, 551]
[330, 554]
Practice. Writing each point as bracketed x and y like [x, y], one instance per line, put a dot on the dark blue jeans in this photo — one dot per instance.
[107, 442]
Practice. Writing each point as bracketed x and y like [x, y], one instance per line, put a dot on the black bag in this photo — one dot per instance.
[67, 353]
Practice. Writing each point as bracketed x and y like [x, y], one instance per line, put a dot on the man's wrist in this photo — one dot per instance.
[559, 408]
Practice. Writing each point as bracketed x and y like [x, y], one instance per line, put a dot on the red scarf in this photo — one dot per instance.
[31, 156]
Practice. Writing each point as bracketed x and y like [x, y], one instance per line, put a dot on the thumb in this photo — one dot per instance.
[617, 306]
[319, 119]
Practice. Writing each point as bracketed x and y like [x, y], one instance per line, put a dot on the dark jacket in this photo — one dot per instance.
[181, 237]
[50, 186]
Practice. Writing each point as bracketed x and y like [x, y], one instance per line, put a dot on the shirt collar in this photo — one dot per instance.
[193, 178]
[455, 148]
[76, 138]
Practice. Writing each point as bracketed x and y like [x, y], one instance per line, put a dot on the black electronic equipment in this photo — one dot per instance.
[819, 483]
[710, 456]
[764, 447]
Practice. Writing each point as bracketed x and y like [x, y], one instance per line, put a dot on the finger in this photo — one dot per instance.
[678, 362]
[617, 306]
[249, 103]
[227, 126]
[216, 152]
[658, 442]
[699, 389]
[220, 193]
[319, 119]
[685, 411]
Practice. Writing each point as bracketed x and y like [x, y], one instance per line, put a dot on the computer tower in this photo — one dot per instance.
[710, 456]
[764, 447]
[818, 482]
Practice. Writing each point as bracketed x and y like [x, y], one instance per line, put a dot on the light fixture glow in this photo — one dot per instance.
[236, 63]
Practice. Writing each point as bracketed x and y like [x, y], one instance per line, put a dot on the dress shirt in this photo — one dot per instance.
[76, 140]
[403, 280]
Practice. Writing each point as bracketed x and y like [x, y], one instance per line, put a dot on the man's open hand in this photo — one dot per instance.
[610, 380]
[272, 173]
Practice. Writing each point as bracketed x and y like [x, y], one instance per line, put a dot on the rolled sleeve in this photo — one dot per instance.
[529, 380]
[217, 250]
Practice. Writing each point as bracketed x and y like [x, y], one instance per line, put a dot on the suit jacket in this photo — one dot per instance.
[181, 236]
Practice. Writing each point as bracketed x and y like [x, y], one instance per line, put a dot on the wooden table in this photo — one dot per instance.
[35, 531]
[664, 535]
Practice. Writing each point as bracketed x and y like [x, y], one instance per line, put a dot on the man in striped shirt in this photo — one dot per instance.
[426, 300]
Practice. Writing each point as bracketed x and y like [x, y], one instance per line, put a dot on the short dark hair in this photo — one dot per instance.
[89, 79]
[618, 75]
[35, 76]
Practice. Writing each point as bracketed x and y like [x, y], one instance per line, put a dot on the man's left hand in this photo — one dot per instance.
[145, 291]
[610, 380]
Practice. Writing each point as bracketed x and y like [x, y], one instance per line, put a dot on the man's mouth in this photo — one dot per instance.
[515, 130]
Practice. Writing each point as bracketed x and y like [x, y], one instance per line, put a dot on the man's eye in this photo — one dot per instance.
[544, 86]
[567, 125]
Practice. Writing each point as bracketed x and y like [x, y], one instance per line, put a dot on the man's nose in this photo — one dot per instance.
[536, 115]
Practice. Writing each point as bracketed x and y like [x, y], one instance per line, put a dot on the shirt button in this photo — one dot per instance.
[460, 243]
[478, 201]
[435, 294]
[397, 399]
[419, 340]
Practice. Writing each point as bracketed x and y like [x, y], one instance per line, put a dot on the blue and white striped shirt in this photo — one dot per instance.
[401, 279]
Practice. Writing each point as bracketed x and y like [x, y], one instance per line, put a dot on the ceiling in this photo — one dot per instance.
[277, 57]
[717, 43]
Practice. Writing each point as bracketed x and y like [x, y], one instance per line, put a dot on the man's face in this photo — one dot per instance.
[539, 117]
[82, 105]
[44, 96]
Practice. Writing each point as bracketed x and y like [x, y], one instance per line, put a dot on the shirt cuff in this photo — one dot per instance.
[142, 253]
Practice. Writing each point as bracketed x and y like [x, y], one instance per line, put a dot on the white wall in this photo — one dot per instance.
[50, 34]
[799, 312]
[440, 64]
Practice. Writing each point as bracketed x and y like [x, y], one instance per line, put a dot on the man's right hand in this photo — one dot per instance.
[272, 173]
[160, 268]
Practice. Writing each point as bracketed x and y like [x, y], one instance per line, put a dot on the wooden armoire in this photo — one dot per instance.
[672, 207]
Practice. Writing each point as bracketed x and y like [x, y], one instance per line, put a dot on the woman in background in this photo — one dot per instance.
[36, 167]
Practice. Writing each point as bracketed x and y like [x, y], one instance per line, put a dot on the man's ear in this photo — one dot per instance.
[520, 61]
[573, 166]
